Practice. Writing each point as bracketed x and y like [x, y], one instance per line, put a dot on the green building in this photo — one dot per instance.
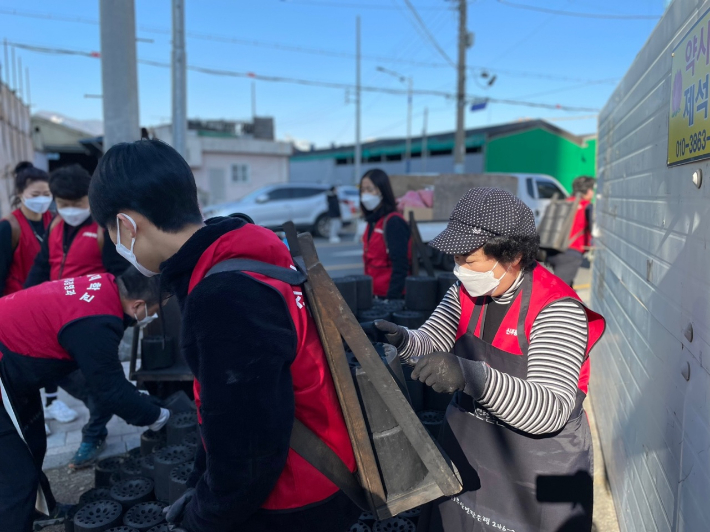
[532, 146]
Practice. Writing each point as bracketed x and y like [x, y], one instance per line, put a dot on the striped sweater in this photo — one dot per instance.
[541, 403]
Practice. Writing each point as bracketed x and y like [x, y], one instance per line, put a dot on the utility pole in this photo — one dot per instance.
[253, 100]
[410, 83]
[424, 140]
[29, 97]
[14, 69]
[7, 66]
[460, 141]
[20, 92]
[408, 150]
[119, 76]
[179, 68]
[358, 148]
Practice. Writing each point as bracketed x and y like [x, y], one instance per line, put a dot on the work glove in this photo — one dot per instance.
[447, 373]
[175, 512]
[394, 334]
[161, 421]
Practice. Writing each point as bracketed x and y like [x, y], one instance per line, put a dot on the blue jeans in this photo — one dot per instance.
[95, 430]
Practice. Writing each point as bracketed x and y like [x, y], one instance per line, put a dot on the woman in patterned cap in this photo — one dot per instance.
[512, 341]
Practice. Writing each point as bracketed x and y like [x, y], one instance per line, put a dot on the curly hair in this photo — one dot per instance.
[506, 249]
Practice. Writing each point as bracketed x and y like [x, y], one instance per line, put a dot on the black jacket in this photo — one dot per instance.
[239, 340]
[40, 272]
[333, 205]
[92, 343]
[397, 235]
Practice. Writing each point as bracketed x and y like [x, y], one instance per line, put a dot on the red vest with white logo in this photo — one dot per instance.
[378, 264]
[33, 318]
[581, 233]
[24, 256]
[83, 256]
[546, 289]
[316, 402]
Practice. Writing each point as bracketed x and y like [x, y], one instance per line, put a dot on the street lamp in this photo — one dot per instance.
[408, 81]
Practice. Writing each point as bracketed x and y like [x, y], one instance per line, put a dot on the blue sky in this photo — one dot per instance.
[515, 44]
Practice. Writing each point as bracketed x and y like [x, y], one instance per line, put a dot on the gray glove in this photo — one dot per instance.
[174, 513]
[447, 373]
[394, 334]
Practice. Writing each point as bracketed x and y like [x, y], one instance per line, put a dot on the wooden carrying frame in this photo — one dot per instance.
[336, 323]
[556, 224]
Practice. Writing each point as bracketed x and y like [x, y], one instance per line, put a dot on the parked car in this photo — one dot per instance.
[536, 191]
[304, 204]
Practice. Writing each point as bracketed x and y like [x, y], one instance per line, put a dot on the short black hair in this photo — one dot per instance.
[506, 249]
[583, 184]
[149, 177]
[69, 182]
[381, 180]
[132, 284]
[26, 174]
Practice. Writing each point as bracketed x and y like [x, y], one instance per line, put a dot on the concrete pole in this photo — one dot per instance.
[460, 141]
[20, 92]
[408, 150]
[14, 69]
[179, 69]
[119, 75]
[6, 77]
[424, 140]
[29, 96]
[253, 100]
[358, 148]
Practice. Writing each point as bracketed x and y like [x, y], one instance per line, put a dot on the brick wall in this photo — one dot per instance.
[651, 280]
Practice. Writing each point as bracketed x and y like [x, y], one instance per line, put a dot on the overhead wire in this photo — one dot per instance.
[428, 34]
[299, 49]
[604, 16]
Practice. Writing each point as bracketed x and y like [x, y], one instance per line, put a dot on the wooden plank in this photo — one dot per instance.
[420, 248]
[368, 471]
[331, 304]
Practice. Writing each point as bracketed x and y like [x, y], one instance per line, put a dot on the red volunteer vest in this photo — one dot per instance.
[317, 407]
[546, 289]
[24, 256]
[579, 228]
[33, 318]
[377, 261]
[83, 256]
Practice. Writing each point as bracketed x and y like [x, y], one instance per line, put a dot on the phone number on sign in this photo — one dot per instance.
[698, 142]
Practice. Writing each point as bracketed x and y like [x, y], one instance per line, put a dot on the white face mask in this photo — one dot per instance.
[370, 201]
[74, 215]
[128, 253]
[478, 283]
[37, 204]
[145, 321]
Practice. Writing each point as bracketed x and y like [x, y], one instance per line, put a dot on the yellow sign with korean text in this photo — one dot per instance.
[688, 123]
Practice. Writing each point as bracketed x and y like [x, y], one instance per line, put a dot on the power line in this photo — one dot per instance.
[300, 49]
[306, 82]
[323, 3]
[577, 13]
[428, 34]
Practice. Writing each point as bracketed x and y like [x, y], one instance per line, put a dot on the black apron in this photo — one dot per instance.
[510, 476]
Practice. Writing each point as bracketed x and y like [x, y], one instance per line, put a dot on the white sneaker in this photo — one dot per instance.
[60, 411]
[46, 430]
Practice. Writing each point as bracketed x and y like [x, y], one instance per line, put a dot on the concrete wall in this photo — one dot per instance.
[326, 171]
[651, 281]
[263, 169]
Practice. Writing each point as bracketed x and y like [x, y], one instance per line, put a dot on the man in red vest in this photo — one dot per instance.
[254, 349]
[47, 332]
[565, 265]
[73, 246]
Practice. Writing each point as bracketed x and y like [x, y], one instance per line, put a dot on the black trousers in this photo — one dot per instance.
[21, 465]
[95, 429]
[566, 265]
